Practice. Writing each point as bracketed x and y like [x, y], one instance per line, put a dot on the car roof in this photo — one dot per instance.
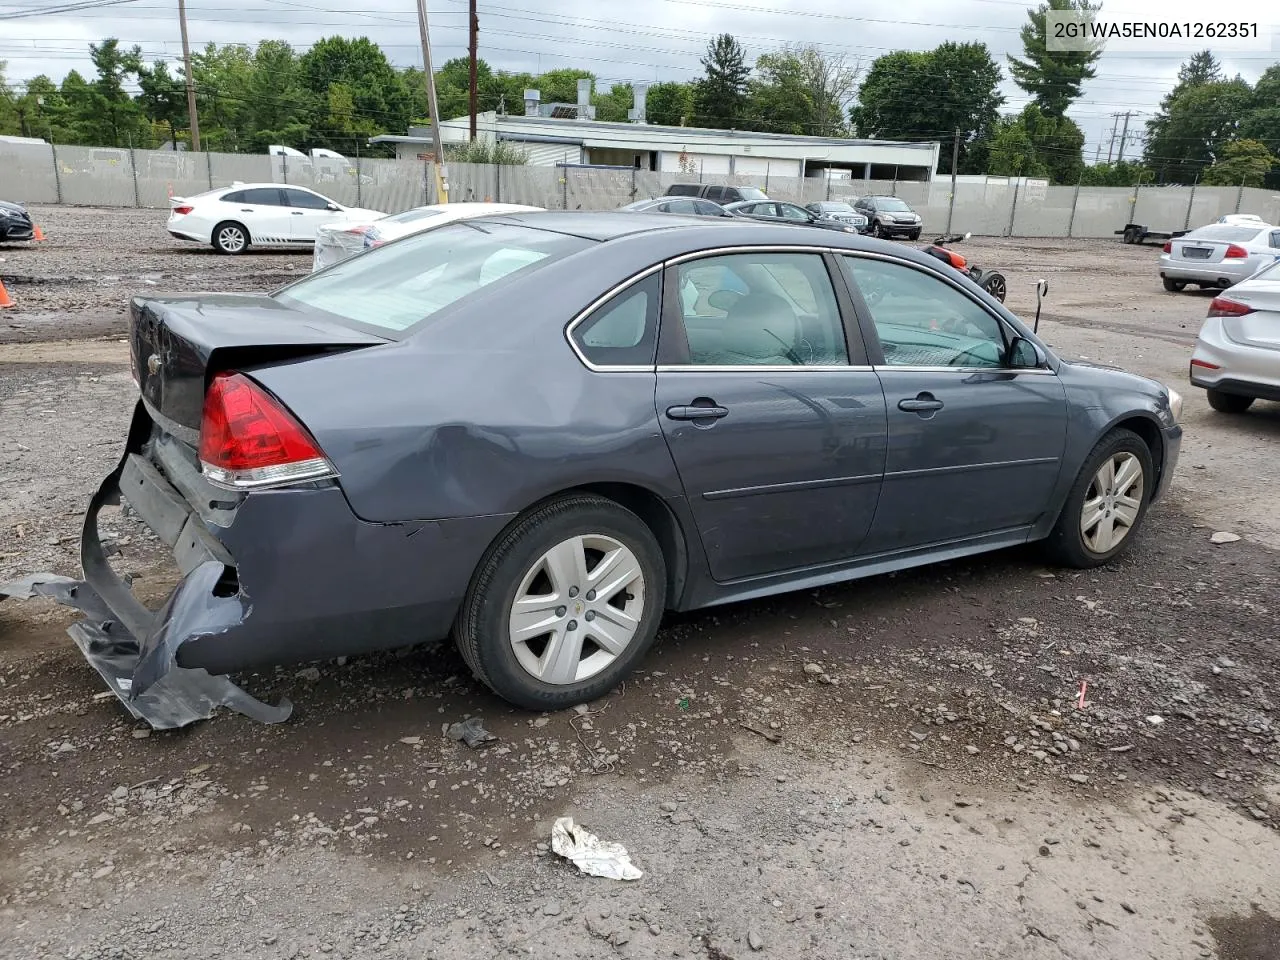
[604, 224]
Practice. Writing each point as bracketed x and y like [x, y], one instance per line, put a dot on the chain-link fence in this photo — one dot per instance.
[111, 177]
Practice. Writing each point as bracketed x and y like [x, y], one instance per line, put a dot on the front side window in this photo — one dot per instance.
[922, 321]
[761, 309]
[680, 206]
[306, 200]
[623, 332]
[792, 212]
[396, 287]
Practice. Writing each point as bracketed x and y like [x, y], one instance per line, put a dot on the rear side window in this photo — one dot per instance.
[396, 287]
[1226, 232]
[1275, 238]
[623, 332]
[236, 196]
[707, 208]
[263, 197]
[680, 206]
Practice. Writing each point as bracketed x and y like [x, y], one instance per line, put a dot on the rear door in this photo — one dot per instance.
[975, 446]
[774, 420]
[308, 212]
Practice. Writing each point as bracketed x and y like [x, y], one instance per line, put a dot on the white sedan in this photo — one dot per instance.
[337, 242]
[1219, 255]
[235, 218]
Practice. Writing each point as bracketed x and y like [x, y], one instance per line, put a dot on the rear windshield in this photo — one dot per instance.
[392, 288]
[1224, 231]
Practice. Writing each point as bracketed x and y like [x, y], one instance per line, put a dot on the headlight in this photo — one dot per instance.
[1175, 404]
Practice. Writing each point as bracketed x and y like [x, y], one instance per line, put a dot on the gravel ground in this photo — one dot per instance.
[863, 771]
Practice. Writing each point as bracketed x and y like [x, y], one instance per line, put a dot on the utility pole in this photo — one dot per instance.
[432, 104]
[191, 83]
[1123, 136]
[1111, 145]
[473, 22]
[955, 160]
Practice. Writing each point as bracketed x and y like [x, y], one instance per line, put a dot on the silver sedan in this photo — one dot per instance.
[1237, 355]
[1219, 255]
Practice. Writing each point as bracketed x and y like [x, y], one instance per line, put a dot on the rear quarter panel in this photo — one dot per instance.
[487, 409]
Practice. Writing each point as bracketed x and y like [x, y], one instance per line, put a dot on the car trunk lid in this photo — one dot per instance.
[178, 343]
[1200, 251]
[1261, 326]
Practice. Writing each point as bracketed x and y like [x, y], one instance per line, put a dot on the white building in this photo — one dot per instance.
[558, 133]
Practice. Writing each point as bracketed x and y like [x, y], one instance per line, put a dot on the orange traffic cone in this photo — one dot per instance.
[39, 238]
[5, 299]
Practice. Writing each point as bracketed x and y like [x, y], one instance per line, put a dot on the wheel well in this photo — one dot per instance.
[1151, 436]
[650, 508]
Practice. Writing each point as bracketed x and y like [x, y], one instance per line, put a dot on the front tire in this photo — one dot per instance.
[1107, 503]
[564, 604]
[915, 235]
[231, 238]
[877, 231]
[1228, 402]
[1174, 286]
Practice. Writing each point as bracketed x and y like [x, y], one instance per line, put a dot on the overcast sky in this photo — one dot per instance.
[646, 40]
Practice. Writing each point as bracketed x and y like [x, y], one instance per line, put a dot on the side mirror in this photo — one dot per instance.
[333, 207]
[1025, 355]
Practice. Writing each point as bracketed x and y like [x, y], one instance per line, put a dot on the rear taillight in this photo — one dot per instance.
[1235, 252]
[248, 439]
[182, 211]
[1222, 307]
[1205, 364]
[1168, 246]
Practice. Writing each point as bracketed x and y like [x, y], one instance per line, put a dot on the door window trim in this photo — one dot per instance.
[599, 302]
[872, 336]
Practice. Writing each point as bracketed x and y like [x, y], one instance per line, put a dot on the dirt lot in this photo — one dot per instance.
[931, 782]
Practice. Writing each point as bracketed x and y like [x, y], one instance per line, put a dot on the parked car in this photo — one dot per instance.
[1237, 355]
[890, 217]
[15, 223]
[479, 431]
[778, 211]
[339, 241]
[235, 218]
[1218, 255]
[841, 210]
[715, 192]
[690, 206]
[1247, 219]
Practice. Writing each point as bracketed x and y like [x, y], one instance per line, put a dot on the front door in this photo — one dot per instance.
[778, 439]
[975, 446]
[308, 212]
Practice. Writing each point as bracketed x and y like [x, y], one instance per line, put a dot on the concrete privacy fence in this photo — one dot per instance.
[112, 177]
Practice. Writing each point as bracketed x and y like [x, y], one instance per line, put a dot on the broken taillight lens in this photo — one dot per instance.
[248, 439]
[1235, 252]
[183, 210]
[1222, 307]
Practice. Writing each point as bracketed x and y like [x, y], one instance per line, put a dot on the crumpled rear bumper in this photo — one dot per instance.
[133, 648]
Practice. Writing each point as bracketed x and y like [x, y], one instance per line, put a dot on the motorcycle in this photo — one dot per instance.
[988, 280]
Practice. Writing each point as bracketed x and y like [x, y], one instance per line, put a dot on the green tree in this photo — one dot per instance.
[379, 98]
[106, 113]
[720, 96]
[799, 90]
[669, 104]
[1035, 144]
[282, 106]
[561, 86]
[10, 122]
[1194, 125]
[1262, 122]
[1053, 79]
[1242, 162]
[910, 96]
[225, 101]
[1121, 174]
[163, 98]
[614, 104]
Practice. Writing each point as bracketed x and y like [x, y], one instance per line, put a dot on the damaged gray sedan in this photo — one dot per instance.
[537, 433]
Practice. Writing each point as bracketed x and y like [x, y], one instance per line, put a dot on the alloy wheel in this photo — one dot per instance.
[1112, 502]
[231, 239]
[576, 609]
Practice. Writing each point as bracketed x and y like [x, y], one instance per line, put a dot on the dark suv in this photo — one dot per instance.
[716, 192]
[890, 217]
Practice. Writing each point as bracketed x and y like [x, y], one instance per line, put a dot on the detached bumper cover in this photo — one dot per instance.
[133, 649]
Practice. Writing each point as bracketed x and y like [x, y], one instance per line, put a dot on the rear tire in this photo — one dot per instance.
[996, 286]
[1173, 286]
[1121, 502]
[1228, 402]
[538, 637]
[231, 238]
